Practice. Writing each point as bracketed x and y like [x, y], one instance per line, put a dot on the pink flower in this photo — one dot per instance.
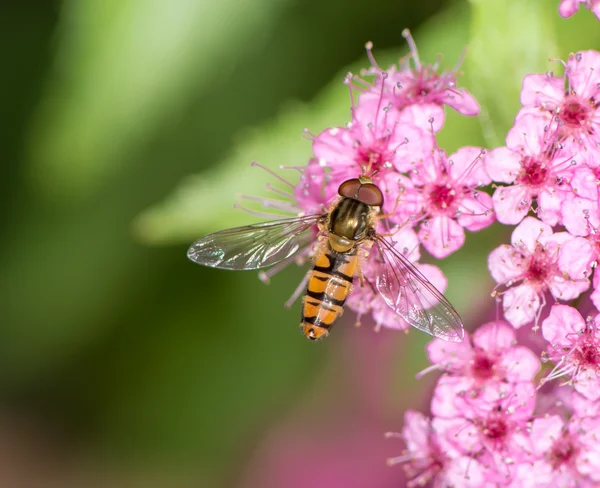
[539, 261]
[534, 168]
[490, 426]
[574, 348]
[569, 7]
[490, 355]
[565, 453]
[419, 91]
[425, 462]
[575, 105]
[375, 140]
[448, 200]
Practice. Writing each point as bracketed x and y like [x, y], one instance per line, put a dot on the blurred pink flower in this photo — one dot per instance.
[539, 261]
[569, 7]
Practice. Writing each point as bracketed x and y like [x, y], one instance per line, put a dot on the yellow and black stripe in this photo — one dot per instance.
[327, 290]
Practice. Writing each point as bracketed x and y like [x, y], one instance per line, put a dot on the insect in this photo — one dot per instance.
[346, 232]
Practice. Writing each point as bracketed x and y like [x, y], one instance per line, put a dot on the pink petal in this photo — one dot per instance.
[588, 461]
[494, 335]
[595, 296]
[430, 169]
[385, 316]
[445, 396]
[542, 90]
[462, 101]
[466, 472]
[420, 114]
[582, 406]
[441, 236]
[468, 165]
[550, 205]
[585, 183]
[575, 257]
[457, 436]
[334, 146]
[567, 289]
[528, 134]
[568, 7]
[476, 212]
[562, 325]
[583, 71]
[580, 215]
[453, 355]
[435, 276]
[587, 383]
[412, 147]
[511, 203]
[521, 364]
[372, 122]
[503, 165]
[399, 197]
[406, 242]
[504, 263]
[527, 233]
[544, 431]
[416, 432]
[311, 192]
[520, 305]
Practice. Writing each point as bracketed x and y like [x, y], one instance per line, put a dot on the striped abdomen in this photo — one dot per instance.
[327, 290]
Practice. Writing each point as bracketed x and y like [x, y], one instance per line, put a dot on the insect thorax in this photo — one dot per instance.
[349, 223]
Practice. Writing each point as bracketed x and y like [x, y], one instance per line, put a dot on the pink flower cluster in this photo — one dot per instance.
[550, 165]
[486, 428]
[490, 424]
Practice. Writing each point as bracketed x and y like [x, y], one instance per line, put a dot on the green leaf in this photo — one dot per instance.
[509, 39]
[123, 69]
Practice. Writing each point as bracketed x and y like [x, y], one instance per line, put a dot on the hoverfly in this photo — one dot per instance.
[349, 227]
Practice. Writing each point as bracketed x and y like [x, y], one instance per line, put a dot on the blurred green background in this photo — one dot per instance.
[121, 363]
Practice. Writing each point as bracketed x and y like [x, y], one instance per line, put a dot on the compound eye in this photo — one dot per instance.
[370, 194]
[350, 188]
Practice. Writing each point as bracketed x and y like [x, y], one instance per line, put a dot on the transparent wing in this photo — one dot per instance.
[413, 297]
[252, 246]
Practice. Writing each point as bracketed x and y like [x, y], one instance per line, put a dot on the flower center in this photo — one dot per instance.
[483, 366]
[442, 197]
[495, 427]
[541, 266]
[562, 451]
[373, 158]
[573, 113]
[588, 354]
[533, 172]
